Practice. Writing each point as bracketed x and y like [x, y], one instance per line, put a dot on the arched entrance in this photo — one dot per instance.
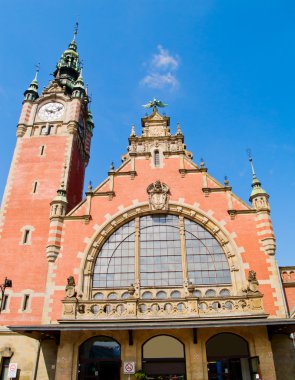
[163, 357]
[228, 357]
[99, 359]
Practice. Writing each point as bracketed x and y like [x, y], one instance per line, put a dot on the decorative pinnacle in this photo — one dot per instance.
[37, 72]
[76, 30]
[178, 129]
[132, 131]
[64, 173]
[256, 184]
[251, 162]
[89, 98]
[90, 186]
[202, 163]
[112, 167]
[226, 181]
[61, 191]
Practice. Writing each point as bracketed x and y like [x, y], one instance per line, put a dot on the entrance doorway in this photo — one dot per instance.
[228, 357]
[163, 358]
[99, 359]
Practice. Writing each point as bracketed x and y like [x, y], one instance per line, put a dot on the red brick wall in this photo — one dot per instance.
[189, 188]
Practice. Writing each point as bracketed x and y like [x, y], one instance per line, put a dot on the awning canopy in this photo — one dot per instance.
[274, 325]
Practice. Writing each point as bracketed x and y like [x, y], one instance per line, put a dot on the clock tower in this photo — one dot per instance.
[52, 151]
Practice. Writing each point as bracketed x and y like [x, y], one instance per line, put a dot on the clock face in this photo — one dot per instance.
[51, 111]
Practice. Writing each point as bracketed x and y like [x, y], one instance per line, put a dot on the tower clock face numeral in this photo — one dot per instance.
[51, 111]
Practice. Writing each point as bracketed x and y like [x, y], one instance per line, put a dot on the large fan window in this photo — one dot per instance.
[160, 250]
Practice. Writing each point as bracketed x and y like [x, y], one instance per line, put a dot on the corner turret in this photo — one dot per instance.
[79, 89]
[32, 92]
[58, 206]
[58, 209]
[259, 197]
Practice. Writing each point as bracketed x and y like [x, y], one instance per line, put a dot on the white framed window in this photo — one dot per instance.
[26, 235]
[157, 161]
[25, 304]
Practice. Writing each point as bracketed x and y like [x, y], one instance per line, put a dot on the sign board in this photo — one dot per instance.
[129, 367]
[12, 371]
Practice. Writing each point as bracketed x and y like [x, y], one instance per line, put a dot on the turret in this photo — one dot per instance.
[258, 197]
[79, 89]
[58, 206]
[32, 92]
[90, 122]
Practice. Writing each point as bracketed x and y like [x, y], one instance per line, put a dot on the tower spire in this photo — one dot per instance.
[258, 196]
[79, 88]
[76, 30]
[37, 72]
[68, 67]
[32, 92]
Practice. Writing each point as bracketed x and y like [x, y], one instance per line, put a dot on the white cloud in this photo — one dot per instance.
[163, 60]
[161, 72]
[157, 80]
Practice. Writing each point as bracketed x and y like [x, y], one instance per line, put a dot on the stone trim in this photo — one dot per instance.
[9, 183]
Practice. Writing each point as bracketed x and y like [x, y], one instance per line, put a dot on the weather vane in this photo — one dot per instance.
[37, 67]
[154, 103]
[76, 29]
[251, 162]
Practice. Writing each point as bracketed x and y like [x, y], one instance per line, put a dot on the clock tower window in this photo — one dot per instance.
[35, 186]
[46, 129]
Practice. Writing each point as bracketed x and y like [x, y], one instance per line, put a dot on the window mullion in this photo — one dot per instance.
[183, 249]
[137, 253]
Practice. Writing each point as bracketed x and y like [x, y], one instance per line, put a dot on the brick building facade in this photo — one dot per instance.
[160, 264]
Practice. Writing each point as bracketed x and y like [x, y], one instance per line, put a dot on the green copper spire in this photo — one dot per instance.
[68, 67]
[32, 92]
[79, 89]
[90, 123]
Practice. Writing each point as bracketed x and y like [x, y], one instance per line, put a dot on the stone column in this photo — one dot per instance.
[65, 355]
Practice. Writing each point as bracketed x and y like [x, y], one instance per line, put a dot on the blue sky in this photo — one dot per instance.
[226, 69]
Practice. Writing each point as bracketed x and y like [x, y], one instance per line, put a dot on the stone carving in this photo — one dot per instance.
[69, 309]
[131, 290]
[81, 309]
[156, 131]
[252, 283]
[70, 288]
[158, 195]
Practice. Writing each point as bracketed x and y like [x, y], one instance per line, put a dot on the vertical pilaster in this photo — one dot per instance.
[183, 250]
[137, 252]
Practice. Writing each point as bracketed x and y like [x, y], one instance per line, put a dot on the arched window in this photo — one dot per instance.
[167, 247]
[115, 264]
